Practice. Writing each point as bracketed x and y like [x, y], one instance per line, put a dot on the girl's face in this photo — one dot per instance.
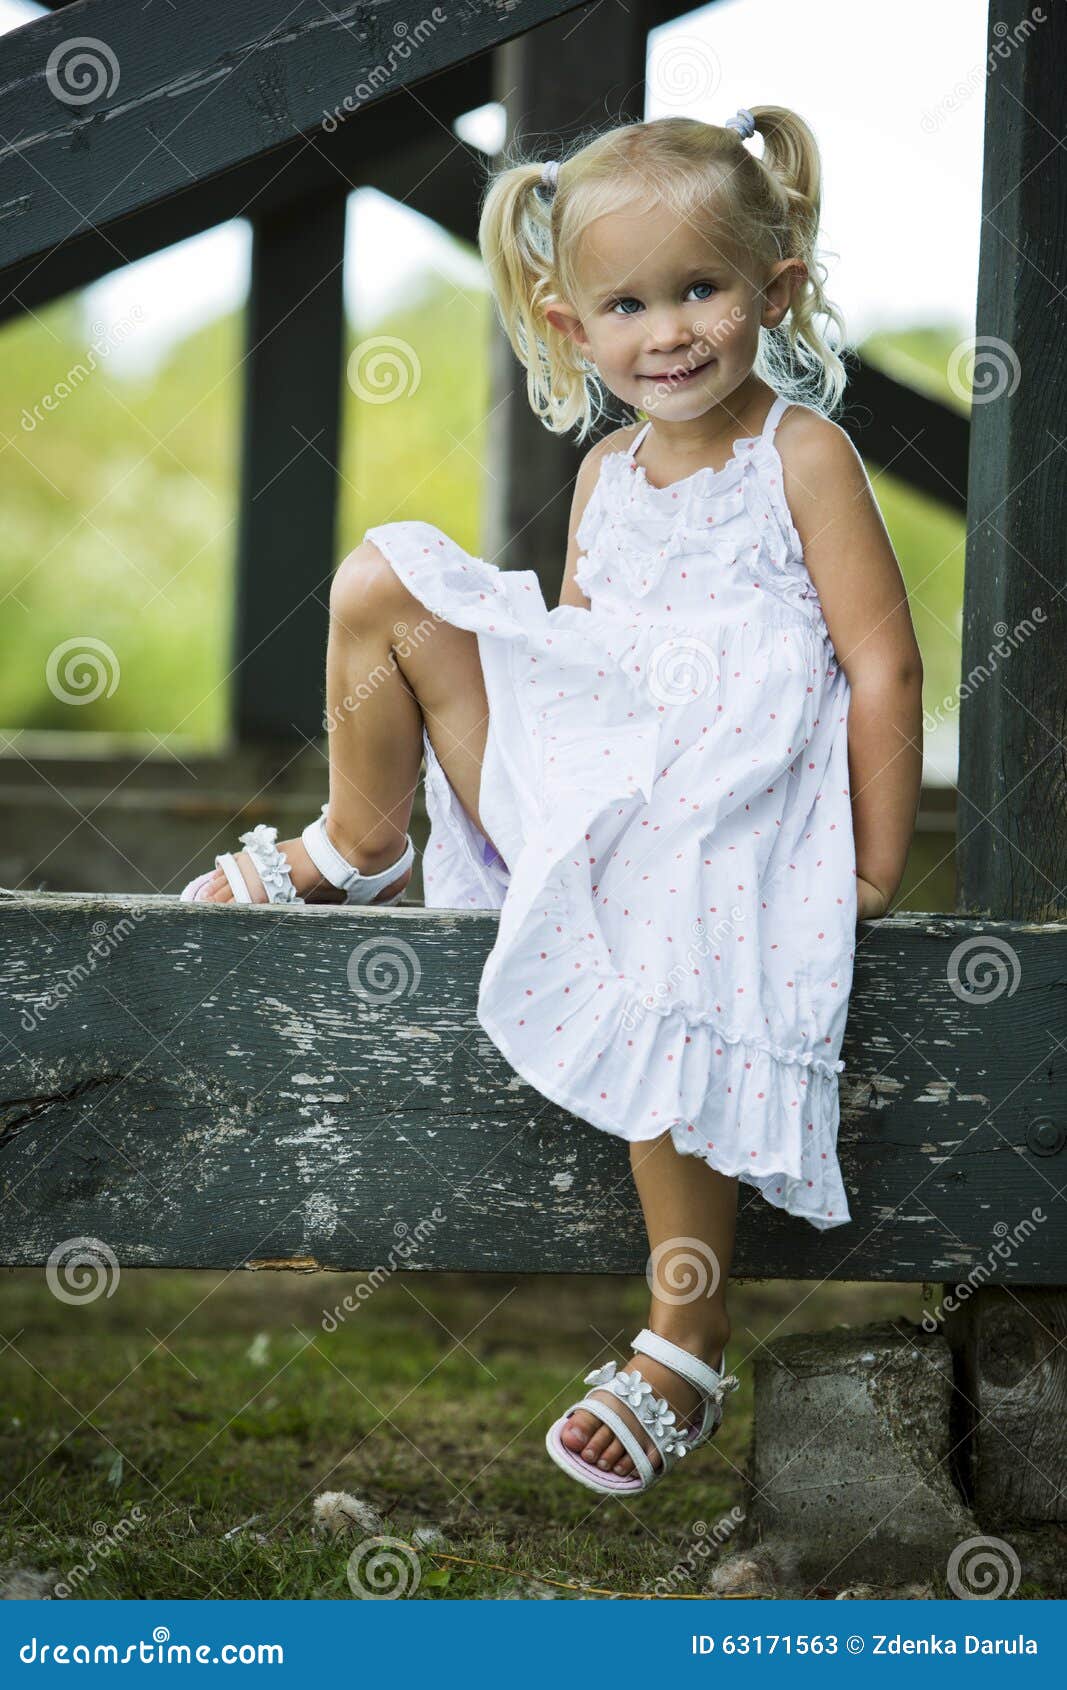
[671, 325]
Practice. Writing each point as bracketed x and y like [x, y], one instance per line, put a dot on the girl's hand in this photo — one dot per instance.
[870, 903]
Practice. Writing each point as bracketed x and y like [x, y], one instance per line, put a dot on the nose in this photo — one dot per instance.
[669, 331]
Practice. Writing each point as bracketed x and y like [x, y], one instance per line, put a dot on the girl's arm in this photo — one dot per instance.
[856, 575]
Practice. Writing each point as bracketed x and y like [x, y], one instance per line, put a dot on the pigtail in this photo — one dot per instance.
[516, 244]
[791, 156]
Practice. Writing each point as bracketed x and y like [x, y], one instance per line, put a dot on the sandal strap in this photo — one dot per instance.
[689, 1367]
[270, 864]
[631, 1443]
[335, 868]
[229, 865]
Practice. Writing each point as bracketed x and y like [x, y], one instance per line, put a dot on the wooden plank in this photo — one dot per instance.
[399, 147]
[207, 1089]
[203, 89]
[1013, 717]
[913, 436]
[293, 368]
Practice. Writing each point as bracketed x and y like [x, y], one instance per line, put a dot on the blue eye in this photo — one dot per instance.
[628, 299]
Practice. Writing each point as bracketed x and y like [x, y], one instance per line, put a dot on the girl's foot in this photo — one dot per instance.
[596, 1443]
[306, 878]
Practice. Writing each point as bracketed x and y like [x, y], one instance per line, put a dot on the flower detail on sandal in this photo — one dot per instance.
[632, 1389]
[602, 1375]
[658, 1416]
[270, 864]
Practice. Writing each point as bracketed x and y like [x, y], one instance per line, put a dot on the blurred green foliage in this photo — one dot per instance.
[119, 503]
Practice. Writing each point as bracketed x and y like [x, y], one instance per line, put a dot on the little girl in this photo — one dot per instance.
[684, 784]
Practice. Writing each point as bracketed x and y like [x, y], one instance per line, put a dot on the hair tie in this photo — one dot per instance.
[743, 122]
[550, 173]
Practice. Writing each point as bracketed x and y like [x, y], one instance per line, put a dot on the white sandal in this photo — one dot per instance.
[273, 869]
[654, 1413]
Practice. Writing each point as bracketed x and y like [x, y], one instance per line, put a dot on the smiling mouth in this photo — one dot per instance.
[678, 377]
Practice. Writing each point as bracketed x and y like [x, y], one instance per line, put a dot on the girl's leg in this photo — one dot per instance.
[690, 1213]
[390, 665]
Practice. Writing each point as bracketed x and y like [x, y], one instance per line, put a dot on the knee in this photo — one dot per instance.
[364, 587]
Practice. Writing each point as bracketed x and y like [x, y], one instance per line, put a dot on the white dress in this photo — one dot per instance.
[666, 777]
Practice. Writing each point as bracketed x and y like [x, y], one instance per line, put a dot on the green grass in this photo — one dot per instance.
[430, 1402]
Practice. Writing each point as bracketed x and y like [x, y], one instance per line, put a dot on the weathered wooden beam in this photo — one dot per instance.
[293, 368]
[91, 137]
[213, 1087]
[400, 146]
[1013, 716]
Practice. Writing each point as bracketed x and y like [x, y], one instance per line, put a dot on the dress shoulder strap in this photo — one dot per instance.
[636, 441]
[774, 416]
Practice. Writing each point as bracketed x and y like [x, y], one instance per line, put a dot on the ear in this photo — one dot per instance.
[786, 277]
[568, 322]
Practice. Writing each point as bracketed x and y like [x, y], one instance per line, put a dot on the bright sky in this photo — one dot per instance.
[896, 101]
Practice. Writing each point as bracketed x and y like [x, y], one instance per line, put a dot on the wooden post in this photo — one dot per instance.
[293, 373]
[550, 94]
[1009, 1346]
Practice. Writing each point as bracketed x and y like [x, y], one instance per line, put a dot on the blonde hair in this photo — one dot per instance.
[761, 210]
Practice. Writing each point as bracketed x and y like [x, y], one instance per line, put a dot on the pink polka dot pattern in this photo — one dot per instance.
[666, 777]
